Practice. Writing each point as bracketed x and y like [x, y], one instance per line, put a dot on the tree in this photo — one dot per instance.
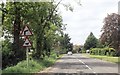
[65, 41]
[70, 47]
[44, 21]
[11, 26]
[91, 42]
[111, 32]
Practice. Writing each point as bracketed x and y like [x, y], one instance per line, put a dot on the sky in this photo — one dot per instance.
[86, 18]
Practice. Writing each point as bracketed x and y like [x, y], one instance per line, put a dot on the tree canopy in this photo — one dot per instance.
[111, 31]
[44, 21]
[91, 42]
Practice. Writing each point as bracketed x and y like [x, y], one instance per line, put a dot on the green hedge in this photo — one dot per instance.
[103, 51]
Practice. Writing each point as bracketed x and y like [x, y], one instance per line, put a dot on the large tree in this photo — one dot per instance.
[43, 20]
[91, 42]
[11, 23]
[111, 32]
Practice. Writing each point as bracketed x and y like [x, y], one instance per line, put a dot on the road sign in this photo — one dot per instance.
[27, 43]
[26, 31]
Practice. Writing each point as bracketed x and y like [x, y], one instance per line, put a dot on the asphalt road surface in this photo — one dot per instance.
[77, 63]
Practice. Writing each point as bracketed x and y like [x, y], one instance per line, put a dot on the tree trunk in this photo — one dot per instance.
[39, 45]
[16, 30]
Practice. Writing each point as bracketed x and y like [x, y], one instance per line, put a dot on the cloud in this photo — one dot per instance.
[87, 18]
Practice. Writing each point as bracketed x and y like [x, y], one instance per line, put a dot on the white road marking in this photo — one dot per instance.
[86, 65]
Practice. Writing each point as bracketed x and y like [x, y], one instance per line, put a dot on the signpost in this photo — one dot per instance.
[27, 32]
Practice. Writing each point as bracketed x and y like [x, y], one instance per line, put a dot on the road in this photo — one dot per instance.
[77, 63]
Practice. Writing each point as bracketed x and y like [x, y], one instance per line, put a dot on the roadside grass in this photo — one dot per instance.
[34, 66]
[106, 58]
[0, 71]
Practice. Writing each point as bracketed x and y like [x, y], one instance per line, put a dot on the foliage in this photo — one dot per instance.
[34, 66]
[65, 41]
[8, 54]
[83, 51]
[70, 47]
[45, 23]
[111, 32]
[11, 30]
[91, 42]
[103, 51]
[62, 44]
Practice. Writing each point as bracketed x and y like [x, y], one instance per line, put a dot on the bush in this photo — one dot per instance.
[6, 53]
[34, 66]
[103, 51]
[10, 56]
[83, 50]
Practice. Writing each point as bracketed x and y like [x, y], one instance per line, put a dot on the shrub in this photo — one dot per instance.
[9, 56]
[103, 51]
[34, 66]
[6, 53]
[83, 50]
[112, 51]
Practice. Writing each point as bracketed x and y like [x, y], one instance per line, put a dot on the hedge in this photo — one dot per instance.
[103, 51]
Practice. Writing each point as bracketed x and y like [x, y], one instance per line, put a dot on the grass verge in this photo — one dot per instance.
[34, 66]
[106, 58]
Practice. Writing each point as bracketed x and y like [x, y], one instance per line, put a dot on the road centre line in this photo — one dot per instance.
[85, 65]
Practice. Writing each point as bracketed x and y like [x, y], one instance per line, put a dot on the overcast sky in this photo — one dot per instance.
[86, 18]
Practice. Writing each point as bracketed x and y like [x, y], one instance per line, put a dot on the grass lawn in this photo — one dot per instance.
[106, 58]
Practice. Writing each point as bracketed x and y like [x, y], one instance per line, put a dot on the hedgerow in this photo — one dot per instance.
[103, 51]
